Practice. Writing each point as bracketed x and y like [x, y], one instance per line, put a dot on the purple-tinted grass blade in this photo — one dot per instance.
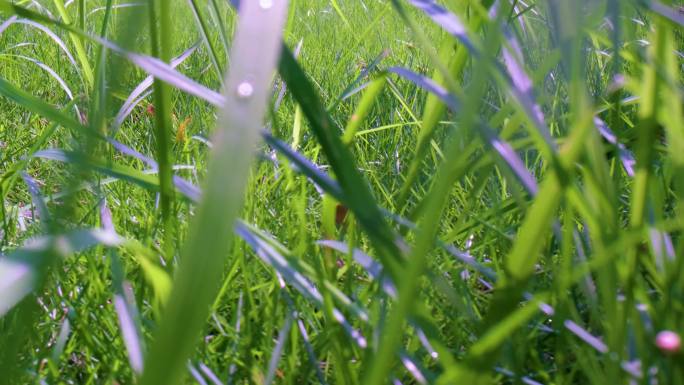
[41, 8]
[16, 281]
[426, 343]
[445, 19]
[54, 75]
[354, 87]
[209, 374]
[522, 87]
[126, 314]
[278, 262]
[18, 269]
[373, 268]
[626, 157]
[36, 197]
[633, 368]
[278, 350]
[126, 110]
[305, 166]
[513, 161]
[165, 72]
[7, 23]
[428, 85]
[666, 12]
[663, 249]
[412, 367]
[310, 351]
[46, 30]
[469, 260]
[502, 148]
[585, 336]
[293, 277]
[521, 20]
[122, 148]
[62, 338]
[188, 189]
[52, 154]
[140, 92]
[510, 374]
[196, 375]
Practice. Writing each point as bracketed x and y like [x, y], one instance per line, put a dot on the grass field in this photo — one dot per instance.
[405, 192]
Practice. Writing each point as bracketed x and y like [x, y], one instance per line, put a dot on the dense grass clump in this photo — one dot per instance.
[341, 192]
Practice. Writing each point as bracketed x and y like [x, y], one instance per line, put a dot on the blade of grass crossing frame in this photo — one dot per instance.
[255, 52]
[357, 195]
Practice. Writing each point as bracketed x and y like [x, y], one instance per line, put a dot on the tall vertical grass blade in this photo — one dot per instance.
[278, 350]
[358, 196]
[85, 67]
[254, 55]
[160, 37]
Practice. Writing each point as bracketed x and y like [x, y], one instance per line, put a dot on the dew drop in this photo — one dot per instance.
[245, 90]
[266, 4]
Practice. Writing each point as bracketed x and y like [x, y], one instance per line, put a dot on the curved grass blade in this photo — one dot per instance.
[445, 19]
[53, 74]
[141, 178]
[165, 72]
[14, 19]
[115, 6]
[156, 67]
[503, 149]
[140, 91]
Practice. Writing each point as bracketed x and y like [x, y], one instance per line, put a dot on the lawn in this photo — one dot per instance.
[341, 192]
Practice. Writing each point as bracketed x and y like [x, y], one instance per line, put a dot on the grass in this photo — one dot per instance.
[405, 192]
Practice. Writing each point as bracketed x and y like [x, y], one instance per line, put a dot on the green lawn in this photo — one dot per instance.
[410, 193]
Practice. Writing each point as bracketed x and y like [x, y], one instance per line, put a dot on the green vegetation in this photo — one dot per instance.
[341, 192]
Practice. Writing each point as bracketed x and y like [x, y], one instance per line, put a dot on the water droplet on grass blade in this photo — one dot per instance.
[668, 342]
[245, 90]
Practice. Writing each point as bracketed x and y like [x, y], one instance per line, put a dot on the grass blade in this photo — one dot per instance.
[255, 52]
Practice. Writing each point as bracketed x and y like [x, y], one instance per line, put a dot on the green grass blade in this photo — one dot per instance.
[86, 69]
[255, 52]
[160, 34]
[358, 196]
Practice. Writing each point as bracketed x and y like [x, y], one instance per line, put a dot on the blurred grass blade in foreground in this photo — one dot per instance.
[254, 55]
